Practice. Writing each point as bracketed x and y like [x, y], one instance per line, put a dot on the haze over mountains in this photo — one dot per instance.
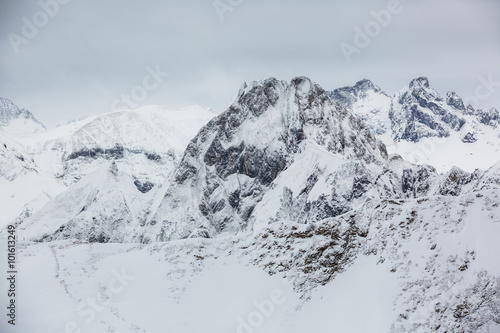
[316, 187]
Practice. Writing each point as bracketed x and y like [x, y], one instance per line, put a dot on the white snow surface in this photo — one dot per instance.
[150, 141]
[415, 265]
[445, 153]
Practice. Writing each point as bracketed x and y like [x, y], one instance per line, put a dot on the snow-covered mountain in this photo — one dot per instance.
[282, 152]
[79, 212]
[278, 141]
[24, 186]
[424, 127]
[145, 143]
[17, 122]
[278, 145]
[285, 213]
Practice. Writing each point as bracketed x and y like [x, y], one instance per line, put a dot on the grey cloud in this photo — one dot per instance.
[93, 51]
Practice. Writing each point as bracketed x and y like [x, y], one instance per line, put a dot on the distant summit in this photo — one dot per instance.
[17, 122]
[424, 127]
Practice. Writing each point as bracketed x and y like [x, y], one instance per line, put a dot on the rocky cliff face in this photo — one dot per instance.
[420, 181]
[260, 151]
[419, 112]
[424, 127]
[413, 113]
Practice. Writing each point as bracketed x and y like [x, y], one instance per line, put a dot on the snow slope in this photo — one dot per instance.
[419, 265]
[84, 210]
[25, 188]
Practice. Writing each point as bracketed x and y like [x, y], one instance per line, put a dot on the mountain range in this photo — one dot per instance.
[299, 182]
[424, 127]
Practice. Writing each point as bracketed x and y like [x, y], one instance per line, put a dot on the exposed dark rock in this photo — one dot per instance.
[454, 182]
[143, 186]
[116, 152]
[416, 183]
[470, 137]
[490, 117]
[455, 101]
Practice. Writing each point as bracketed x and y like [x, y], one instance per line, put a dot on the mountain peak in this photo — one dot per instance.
[16, 121]
[271, 131]
[302, 84]
[455, 101]
[296, 111]
[420, 82]
[366, 85]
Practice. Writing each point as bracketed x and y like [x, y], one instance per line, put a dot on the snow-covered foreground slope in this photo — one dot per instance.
[420, 265]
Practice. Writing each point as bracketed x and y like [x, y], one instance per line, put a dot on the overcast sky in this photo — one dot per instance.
[82, 58]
